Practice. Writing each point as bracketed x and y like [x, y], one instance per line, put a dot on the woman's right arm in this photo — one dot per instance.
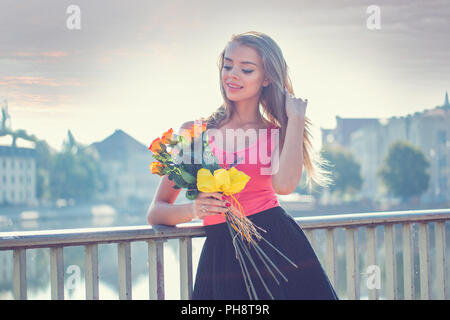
[162, 210]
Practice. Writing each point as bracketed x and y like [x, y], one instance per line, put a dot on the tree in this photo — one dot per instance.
[345, 171]
[43, 168]
[75, 173]
[404, 171]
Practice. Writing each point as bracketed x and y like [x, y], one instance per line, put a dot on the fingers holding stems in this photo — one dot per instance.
[208, 204]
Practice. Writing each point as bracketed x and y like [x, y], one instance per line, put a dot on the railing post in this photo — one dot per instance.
[331, 255]
[57, 273]
[424, 257]
[352, 261]
[442, 291]
[124, 268]
[20, 274]
[391, 269]
[371, 247]
[186, 281]
[91, 266]
[408, 261]
[156, 269]
[310, 235]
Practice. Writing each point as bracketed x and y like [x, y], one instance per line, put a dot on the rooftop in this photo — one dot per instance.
[119, 146]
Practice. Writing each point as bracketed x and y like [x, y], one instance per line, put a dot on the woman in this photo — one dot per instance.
[258, 97]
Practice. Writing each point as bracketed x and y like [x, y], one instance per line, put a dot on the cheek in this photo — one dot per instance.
[224, 77]
[253, 82]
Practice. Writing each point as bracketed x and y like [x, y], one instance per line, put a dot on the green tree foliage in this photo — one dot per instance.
[404, 171]
[75, 173]
[43, 167]
[345, 170]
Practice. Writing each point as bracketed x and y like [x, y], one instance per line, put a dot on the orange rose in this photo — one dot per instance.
[197, 127]
[186, 133]
[155, 146]
[167, 136]
[192, 131]
[156, 167]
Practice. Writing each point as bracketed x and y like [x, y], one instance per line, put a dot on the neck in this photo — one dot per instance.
[246, 111]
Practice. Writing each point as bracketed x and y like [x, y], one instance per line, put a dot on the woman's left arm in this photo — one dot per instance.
[290, 161]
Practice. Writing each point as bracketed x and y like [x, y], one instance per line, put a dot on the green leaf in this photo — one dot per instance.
[189, 178]
[192, 194]
[179, 181]
[159, 158]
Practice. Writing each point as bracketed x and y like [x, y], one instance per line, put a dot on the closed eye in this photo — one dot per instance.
[243, 70]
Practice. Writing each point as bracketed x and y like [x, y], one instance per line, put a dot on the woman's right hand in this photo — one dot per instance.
[209, 203]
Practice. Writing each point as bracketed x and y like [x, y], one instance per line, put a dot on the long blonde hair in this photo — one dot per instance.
[272, 101]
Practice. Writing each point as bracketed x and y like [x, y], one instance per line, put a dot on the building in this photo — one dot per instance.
[344, 128]
[369, 143]
[125, 162]
[430, 131]
[17, 171]
[366, 148]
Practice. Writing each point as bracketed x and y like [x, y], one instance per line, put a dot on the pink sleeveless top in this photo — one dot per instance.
[255, 161]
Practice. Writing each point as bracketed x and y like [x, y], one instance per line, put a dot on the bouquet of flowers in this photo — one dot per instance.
[188, 161]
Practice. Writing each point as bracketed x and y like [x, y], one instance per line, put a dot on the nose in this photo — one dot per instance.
[232, 73]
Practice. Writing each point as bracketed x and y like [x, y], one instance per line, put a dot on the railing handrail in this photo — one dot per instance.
[373, 218]
[83, 236]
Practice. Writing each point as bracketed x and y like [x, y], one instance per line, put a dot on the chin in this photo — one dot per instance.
[233, 98]
[236, 99]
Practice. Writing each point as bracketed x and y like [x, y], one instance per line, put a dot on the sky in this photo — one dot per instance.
[144, 66]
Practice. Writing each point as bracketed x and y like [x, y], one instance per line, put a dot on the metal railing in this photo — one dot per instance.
[155, 237]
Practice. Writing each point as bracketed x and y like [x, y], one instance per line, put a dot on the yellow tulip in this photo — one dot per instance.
[205, 181]
[238, 180]
[222, 180]
[227, 181]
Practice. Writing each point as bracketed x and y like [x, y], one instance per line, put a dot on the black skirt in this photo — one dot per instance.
[219, 275]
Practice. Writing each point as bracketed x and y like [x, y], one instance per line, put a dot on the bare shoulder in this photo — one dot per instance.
[185, 126]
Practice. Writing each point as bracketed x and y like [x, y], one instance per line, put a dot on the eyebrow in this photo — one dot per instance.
[242, 62]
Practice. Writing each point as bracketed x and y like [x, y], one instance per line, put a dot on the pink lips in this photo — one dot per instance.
[233, 89]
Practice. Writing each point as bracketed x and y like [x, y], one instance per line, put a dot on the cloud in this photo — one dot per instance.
[17, 81]
[129, 53]
[30, 103]
[54, 54]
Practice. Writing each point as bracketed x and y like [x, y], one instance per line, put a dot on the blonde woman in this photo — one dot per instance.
[259, 99]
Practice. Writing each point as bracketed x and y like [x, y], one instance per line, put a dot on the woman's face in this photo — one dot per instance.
[242, 68]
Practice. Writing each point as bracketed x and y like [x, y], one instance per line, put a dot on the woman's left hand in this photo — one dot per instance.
[295, 107]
